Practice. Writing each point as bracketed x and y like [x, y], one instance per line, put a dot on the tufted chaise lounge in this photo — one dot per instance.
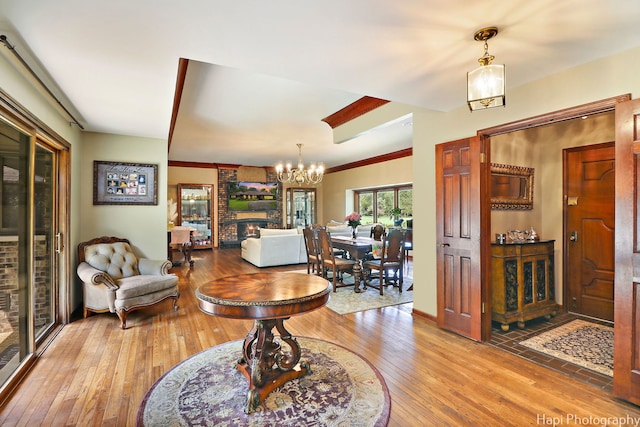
[116, 281]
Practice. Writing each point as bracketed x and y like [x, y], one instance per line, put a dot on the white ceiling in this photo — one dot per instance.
[262, 74]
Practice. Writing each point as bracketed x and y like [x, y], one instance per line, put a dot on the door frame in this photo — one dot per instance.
[592, 108]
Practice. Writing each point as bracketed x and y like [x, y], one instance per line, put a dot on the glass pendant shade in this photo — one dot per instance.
[485, 87]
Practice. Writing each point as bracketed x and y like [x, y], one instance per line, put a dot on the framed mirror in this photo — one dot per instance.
[511, 187]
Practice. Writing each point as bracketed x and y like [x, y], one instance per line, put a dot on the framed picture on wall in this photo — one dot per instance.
[120, 183]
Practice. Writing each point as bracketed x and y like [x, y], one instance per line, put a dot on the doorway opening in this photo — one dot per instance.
[572, 184]
[574, 168]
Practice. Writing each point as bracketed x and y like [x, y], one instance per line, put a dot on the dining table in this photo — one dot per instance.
[357, 248]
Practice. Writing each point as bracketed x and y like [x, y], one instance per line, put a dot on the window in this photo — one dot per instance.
[375, 204]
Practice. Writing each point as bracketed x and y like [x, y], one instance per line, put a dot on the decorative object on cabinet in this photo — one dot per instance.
[195, 211]
[119, 183]
[511, 187]
[301, 207]
[522, 284]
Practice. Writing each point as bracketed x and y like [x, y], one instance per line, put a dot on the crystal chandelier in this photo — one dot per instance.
[485, 84]
[300, 175]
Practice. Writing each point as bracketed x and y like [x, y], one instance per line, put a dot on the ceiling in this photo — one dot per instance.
[262, 75]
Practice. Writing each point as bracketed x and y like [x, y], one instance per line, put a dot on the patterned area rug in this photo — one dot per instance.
[343, 390]
[345, 300]
[583, 343]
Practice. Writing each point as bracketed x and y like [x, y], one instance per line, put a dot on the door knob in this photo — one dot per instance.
[574, 236]
[442, 245]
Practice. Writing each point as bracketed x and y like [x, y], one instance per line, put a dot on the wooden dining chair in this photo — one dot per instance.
[378, 232]
[313, 255]
[391, 261]
[331, 262]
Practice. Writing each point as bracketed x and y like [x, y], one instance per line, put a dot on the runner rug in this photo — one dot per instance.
[583, 343]
[343, 389]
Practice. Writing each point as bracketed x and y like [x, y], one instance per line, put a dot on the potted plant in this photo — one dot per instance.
[395, 214]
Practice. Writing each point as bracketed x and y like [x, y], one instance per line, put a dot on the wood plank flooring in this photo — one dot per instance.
[95, 374]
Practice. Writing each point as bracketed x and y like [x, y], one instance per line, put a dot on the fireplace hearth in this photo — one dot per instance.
[238, 230]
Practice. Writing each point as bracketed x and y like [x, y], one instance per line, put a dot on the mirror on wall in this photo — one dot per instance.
[511, 187]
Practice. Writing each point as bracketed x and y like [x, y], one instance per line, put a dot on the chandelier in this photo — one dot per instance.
[300, 175]
[485, 84]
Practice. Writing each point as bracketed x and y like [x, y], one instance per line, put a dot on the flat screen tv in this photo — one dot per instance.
[247, 196]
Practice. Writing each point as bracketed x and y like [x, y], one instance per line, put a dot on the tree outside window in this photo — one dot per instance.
[376, 204]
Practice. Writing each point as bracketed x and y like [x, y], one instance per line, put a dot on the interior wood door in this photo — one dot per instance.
[458, 219]
[626, 361]
[589, 232]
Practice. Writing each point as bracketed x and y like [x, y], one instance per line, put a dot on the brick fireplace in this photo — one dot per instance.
[234, 227]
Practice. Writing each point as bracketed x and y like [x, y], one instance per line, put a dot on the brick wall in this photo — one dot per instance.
[227, 226]
[9, 285]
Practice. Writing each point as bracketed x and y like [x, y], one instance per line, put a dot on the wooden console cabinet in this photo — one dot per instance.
[522, 285]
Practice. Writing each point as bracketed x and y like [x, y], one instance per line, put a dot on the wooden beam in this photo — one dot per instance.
[183, 64]
[353, 110]
[372, 160]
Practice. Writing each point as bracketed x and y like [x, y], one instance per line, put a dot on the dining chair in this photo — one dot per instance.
[408, 242]
[378, 232]
[182, 241]
[329, 261]
[391, 260]
[313, 256]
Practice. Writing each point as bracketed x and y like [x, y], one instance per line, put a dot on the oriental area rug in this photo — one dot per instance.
[580, 342]
[343, 389]
[345, 300]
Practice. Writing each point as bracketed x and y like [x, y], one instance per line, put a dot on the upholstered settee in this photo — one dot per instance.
[116, 281]
[275, 247]
[336, 228]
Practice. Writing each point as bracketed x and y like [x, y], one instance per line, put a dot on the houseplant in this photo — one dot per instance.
[395, 214]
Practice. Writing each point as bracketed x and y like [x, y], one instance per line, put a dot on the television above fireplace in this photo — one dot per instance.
[249, 196]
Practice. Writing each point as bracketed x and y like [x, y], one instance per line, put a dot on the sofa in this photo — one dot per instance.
[336, 228]
[275, 247]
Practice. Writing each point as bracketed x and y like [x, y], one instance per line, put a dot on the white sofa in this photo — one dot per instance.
[275, 247]
[342, 229]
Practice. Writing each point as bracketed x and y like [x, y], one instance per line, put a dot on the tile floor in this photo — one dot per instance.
[509, 340]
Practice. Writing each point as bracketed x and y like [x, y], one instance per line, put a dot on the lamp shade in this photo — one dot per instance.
[485, 87]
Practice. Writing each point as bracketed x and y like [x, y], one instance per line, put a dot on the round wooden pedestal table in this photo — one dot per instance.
[269, 299]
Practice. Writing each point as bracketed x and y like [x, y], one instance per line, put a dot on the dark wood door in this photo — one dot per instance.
[589, 233]
[458, 204]
[626, 361]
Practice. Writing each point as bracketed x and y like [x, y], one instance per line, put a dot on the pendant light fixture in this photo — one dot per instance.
[485, 84]
[300, 176]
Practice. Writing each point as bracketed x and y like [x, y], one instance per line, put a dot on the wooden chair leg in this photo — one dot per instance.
[122, 315]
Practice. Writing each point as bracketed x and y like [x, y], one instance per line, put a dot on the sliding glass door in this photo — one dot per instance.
[28, 259]
[45, 283]
[15, 342]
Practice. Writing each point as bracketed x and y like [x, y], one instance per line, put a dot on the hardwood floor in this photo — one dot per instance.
[95, 374]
